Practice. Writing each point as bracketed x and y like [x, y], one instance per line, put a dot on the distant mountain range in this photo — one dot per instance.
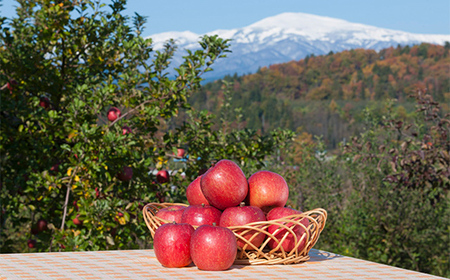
[292, 36]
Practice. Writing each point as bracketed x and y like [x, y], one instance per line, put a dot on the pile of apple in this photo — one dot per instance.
[217, 201]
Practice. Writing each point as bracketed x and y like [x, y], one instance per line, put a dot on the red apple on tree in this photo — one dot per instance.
[31, 243]
[194, 193]
[197, 215]
[44, 102]
[113, 114]
[241, 215]
[172, 244]
[55, 168]
[213, 248]
[162, 176]
[224, 185]
[126, 174]
[77, 221]
[75, 204]
[181, 153]
[10, 85]
[40, 226]
[126, 129]
[267, 190]
[172, 213]
[289, 242]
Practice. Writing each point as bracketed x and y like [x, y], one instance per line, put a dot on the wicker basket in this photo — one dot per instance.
[263, 254]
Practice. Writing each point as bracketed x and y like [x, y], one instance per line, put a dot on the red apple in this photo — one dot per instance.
[171, 213]
[194, 193]
[77, 221]
[75, 204]
[289, 242]
[213, 248]
[162, 176]
[55, 168]
[242, 215]
[267, 190]
[113, 114]
[224, 185]
[172, 244]
[160, 197]
[126, 129]
[10, 85]
[44, 102]
[197, 215]
[31, 243]
[42, 225]
[126, 174]
[181, 153]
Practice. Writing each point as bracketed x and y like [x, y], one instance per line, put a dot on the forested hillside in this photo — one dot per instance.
[325, 95]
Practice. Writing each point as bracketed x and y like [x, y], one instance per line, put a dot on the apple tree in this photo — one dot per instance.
[88, 116]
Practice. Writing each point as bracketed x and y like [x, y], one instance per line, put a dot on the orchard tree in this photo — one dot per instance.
[86, 107]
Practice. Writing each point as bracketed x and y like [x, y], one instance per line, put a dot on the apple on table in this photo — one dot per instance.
[213, 247]
[172, 244]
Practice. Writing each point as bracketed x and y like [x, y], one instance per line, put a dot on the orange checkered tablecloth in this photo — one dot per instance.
[142, 264]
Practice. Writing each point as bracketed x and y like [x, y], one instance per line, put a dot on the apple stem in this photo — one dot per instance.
[214, 224]
[242, 204]
[203, 204]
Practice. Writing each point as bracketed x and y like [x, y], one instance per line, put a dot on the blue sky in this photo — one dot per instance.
[201, 16]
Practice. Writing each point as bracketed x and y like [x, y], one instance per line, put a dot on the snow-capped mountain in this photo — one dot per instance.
[292, 36]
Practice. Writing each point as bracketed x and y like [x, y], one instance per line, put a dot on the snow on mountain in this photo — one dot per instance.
[292, 36]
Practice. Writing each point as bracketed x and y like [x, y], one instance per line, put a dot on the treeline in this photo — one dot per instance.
[325, 95]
